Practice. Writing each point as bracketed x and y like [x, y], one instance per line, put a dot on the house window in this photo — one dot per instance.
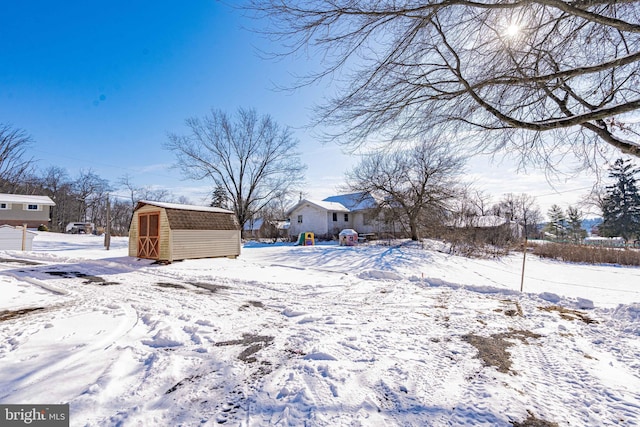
[335, 216]
[32, 207]
[346, 217]
[299, 219]
[5, 206]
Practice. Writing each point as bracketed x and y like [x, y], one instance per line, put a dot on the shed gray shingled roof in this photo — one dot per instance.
[200, 220]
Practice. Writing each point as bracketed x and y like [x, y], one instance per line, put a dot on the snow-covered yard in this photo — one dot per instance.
[319, 336]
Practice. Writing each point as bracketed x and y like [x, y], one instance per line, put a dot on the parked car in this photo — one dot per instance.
[79, 228]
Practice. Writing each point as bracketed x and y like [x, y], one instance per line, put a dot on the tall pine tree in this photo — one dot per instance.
[621, 203]
[574, 222]
[557, 222]
[219, 198]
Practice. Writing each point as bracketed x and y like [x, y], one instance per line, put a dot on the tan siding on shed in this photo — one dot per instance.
[165, 232]
[133, 236]
[186, 234]
[205, 243]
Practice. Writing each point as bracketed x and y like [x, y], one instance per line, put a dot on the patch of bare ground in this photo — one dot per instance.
[19, 261]
[209, 286]
[515, 310]
[89, 279]
[249, 304]
[170, 285]
[532, 421]
[569, 314]
[11, 314]
[492, 350]
[253, 343]
[181, 383]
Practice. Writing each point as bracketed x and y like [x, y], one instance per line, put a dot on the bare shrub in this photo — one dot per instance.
[587, 254]
[478, 242]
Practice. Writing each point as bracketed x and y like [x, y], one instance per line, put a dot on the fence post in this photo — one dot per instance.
[24, 237]
[107, 234]
[524, 259]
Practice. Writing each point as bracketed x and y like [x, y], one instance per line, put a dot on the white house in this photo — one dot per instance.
[327, 217]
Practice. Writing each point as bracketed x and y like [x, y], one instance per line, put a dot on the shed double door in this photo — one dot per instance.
[149, 235]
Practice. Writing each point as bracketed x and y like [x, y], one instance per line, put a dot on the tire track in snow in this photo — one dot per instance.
[69, 360]
[552, 378]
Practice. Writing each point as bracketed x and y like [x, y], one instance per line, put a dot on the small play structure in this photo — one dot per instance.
[348, 237]
[306, 239]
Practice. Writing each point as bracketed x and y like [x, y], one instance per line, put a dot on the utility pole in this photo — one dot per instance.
[524, 256]
[107, 231]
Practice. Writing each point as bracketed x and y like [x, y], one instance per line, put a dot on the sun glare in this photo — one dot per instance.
[512, 30]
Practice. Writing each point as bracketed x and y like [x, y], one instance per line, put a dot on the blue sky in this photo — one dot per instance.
[99, 84]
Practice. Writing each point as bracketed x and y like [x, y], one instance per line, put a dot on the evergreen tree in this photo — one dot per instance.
[574, 225]
[621, 203]
[219, 198]
[557, 222]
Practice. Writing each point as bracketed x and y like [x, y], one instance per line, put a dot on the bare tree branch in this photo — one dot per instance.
[14, 165]
[451, 67]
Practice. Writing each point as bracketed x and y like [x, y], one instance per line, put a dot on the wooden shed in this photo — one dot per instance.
[171, 232]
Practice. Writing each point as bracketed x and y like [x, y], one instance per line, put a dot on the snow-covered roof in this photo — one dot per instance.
[341, 203]
[489, 221]
[254, 224]
[353, 201]
[22, 198]
[348, 232]
[602, 239]
[482, 221]
[257, 223]
[181, 206]
[282, 225]
[330, 206]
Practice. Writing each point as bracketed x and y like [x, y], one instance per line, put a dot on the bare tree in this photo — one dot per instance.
[90, 191]
[470, 204]
[121, 214]
[135, 193]
[14, 165]
[252, 158]
[412, 182]
[594, 201]
[545, 78]
[522, 209]
[57, 185]
[479, 202]
[122, 211]
[125, 182]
